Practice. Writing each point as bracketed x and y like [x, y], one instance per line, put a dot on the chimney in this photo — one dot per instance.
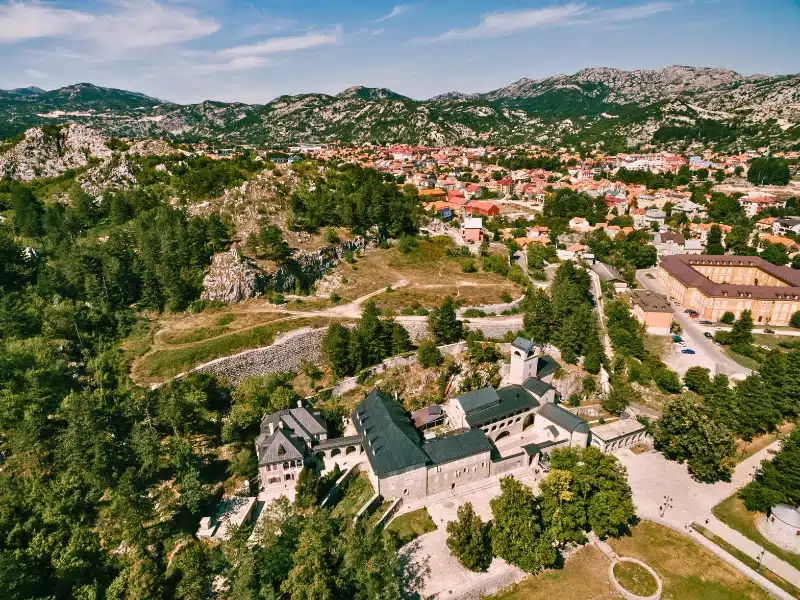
[271, 427]
[299, 404]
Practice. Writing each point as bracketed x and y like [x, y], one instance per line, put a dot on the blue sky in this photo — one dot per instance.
[191, 50]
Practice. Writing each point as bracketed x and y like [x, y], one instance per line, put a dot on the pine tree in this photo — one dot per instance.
[444, 325]
[336, 349]
[537, 318]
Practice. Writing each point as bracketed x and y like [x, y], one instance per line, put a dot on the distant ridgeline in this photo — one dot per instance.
[670, 107]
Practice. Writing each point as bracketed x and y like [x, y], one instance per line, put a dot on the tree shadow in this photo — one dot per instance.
[414, 569]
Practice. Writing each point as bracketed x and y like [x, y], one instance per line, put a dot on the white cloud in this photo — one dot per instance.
[130, 25]
[642, 11]
[497, 24]
[254, 56]
[290, 43]
[397, 11]
[35, 74]
[20, 22]
[238, 64]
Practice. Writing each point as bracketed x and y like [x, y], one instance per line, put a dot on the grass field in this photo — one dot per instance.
[197, 328]
[745, 450]
[635, 578]
[687, 570]
[430, 273]
[750, 562]
[167, 362]
[584, 577]
[745, 361]
[411, 525]
[358, 491]
[733, 513]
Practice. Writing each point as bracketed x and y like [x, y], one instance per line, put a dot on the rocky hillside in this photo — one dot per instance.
[668, 107]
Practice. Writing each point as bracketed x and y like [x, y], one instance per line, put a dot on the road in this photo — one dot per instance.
[597, 292]
[693, 333]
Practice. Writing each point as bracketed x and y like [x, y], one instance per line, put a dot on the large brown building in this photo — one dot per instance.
[713, 285]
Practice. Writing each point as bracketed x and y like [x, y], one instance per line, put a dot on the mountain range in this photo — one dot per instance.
[670, 108]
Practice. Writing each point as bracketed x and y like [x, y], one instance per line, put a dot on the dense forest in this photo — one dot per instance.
[102, 483]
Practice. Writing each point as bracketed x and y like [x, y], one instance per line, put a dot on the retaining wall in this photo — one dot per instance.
[284, 355]
[336, 491]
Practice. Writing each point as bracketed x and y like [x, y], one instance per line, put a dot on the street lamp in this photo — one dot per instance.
[760, 558]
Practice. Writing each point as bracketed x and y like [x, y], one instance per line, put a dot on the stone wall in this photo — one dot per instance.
[510, 463]
[284, 355]
[492, 309]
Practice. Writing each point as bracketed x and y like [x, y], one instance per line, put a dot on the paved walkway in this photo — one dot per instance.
[663, 491]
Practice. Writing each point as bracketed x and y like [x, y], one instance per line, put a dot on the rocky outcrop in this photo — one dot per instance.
[307, 268]
[50, 151]
[231, 278]
[114, 174]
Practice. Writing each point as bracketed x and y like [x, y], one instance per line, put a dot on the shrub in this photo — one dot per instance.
[408, 243]
[506, 297]
[334, 297]
[795, 320]
[667, 380]
[276, 298]
[428, 354]
[589, 384]
[639, 373]
[723, 337]
[474, 313]
[468, 266]
[330, 236]
[574, 400]
[728, 318]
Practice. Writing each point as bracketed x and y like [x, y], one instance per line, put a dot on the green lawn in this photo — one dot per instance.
[687, 570]
[745, 361]
[635, 578]
[745, 450]
[358, 491]
[750, 562]
[411, 525]
[733, 513]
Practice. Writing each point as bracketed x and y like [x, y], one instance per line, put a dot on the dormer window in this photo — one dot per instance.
[281, 450]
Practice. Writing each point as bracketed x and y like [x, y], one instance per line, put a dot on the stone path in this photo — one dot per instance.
[664, 492]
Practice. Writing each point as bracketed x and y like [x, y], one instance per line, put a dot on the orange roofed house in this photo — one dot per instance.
[714, 285]
[478, 208]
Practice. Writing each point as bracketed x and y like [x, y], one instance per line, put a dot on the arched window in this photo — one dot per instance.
[281, 450]
[335, 452]
[286, 465]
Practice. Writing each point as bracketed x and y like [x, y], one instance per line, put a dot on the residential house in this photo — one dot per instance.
[611, 276]
[656, 216]
[755, 202]
[787, 225]
[473, 191]
[472, 230]
[651, 310]
[483, 209]
[579, 225]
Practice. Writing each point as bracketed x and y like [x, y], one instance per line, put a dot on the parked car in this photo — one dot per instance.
[768, 331]
[688, 351]
[677, 338]
[767, 348]
[708, 335]
[705, 322]
[688, 311]
[694, 315]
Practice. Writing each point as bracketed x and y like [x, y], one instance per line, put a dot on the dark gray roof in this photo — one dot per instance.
[478, 399]
[390, 440]
[350, 440]
[563, 418]
[606, 272]
[546, 365]
[534, 449]
[536, 386]
[303, 422]
[278, 447]
[512, 399]
[527, 346]
[452, 447]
